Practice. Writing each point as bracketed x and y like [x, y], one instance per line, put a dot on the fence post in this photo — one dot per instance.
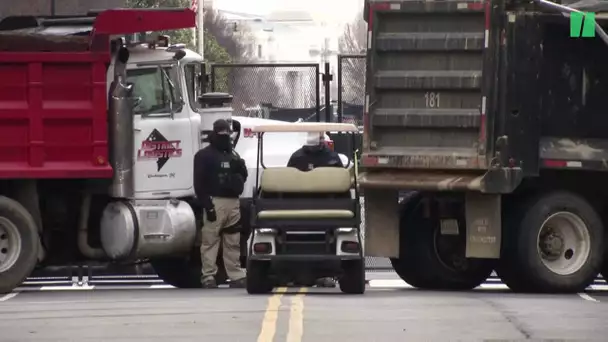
[212, 73]
[327, 78]
[204, 79]
[339, 109]
[318, 90]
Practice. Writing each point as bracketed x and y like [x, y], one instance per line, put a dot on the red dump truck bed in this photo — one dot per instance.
[53, 104]
[53, 115]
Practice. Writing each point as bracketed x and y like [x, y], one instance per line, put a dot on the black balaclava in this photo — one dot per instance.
[221, 141]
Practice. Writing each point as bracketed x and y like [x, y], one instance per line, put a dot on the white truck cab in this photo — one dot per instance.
[170, 122]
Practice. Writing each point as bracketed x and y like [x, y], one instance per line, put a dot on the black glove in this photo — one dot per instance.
[211, 216]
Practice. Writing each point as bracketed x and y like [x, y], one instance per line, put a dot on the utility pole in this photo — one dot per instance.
[52, 7]
[200, 26]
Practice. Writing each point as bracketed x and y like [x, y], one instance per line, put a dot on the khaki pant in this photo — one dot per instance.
[228, 214]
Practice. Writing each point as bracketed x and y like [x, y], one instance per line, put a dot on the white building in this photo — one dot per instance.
[208, 4]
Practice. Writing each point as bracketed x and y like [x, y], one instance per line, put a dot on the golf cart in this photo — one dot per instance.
[305, 224]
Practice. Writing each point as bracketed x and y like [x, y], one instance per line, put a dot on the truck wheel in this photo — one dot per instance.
[18, 244]
[185, 273]
[555, 245]
[353, 279]
[258, 281]
[429, 260]
[604, 270]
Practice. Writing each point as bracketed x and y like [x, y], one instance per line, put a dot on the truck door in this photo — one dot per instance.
[163, 136]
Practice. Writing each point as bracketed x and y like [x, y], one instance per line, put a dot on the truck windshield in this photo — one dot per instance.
[155, 92]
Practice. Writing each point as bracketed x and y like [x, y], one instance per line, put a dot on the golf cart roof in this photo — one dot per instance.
[306, 127]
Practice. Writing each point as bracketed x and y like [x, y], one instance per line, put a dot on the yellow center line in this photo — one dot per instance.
[269, 324]
[296, 317]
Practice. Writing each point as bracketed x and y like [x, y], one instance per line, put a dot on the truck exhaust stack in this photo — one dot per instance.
[122, 155]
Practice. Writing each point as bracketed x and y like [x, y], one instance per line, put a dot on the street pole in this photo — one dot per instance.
[200, 27]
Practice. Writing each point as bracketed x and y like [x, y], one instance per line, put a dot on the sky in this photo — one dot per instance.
[327, 10]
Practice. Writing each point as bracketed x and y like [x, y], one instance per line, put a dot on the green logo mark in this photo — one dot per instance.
[580, 28]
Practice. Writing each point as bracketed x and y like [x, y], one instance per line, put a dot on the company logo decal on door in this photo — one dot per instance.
[156, 146]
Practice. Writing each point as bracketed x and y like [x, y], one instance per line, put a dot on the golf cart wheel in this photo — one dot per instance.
[258, 281]
[353, 279]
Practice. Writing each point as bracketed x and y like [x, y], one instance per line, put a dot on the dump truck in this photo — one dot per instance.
[100, 119]
[485, 142]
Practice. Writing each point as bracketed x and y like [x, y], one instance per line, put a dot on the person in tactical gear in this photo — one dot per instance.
[219, 179]
[312, 155]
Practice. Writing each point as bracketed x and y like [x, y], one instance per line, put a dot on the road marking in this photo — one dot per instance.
[269, 323]
[587, 297]
[598, 287]
[398, 283]
[489, 285]
[8, 296]
[162, 286]
[296, 317]
[67, 288]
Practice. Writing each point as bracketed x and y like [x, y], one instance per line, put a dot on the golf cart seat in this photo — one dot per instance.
[290, 197]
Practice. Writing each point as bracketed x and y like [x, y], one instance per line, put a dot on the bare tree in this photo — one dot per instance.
[224, 34]
[353, 42]
[353, 39]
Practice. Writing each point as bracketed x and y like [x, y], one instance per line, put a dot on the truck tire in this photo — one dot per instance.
[353, 279]
[258, 281]
[18, 244]
[424, 262]
[604, 270]
[554, 243]
[185, 273]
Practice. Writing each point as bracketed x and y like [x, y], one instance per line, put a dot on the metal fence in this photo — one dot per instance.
[351, 88]
[287, 92]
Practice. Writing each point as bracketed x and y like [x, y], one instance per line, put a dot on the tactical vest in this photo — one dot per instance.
[231, 182]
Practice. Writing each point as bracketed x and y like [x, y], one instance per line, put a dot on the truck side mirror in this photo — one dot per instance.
[135, 101]
[236, 128]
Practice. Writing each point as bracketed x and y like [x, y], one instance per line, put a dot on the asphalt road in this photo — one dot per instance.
[389, 311]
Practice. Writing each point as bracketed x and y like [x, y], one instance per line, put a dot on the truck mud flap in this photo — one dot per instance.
[381, 213]
[483, 217]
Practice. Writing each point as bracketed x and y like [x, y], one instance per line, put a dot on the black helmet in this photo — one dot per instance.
[221, 125]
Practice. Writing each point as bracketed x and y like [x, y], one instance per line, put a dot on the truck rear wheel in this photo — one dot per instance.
[553, 243]
[430, 260]
[18, 244]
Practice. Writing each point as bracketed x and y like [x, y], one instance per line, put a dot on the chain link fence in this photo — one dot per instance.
[351, 88]
[287, 92]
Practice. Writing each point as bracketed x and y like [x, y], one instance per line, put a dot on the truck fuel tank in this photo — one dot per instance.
[147, 228]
